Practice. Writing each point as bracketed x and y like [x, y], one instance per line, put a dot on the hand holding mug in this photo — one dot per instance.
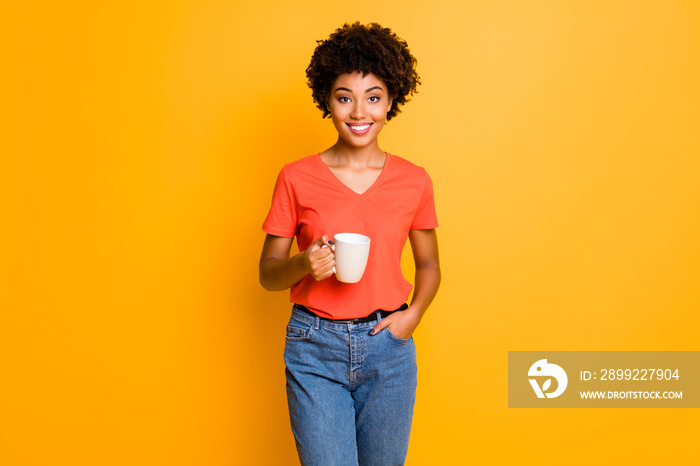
[319, 259]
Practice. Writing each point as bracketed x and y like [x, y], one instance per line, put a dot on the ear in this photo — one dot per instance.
[391, 102]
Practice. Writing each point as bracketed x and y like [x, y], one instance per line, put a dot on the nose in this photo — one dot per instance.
[358, 111]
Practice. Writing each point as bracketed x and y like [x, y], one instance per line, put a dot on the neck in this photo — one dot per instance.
[345, 154]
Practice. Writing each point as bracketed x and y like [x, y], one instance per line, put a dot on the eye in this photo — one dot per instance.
[343, 99]
[374, 99]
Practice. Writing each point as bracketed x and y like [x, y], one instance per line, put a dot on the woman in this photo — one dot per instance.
[350, 357]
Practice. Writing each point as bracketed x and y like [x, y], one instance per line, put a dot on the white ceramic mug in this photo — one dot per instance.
[351, 253]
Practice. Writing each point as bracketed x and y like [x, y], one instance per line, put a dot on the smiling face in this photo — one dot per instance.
[358, 106]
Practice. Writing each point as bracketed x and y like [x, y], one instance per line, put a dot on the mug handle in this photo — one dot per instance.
[332, 249]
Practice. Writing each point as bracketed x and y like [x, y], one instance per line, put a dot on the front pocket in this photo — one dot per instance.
[295, 333]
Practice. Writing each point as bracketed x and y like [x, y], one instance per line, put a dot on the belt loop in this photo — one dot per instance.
[318, 320]
[379, 315]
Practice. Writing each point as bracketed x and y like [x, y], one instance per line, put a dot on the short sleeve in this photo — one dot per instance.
[282, 218]
[425, 218]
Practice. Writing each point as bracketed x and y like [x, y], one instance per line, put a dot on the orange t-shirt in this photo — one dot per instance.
[309, 201]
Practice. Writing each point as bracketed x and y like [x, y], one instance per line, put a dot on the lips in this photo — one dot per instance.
[358, 128]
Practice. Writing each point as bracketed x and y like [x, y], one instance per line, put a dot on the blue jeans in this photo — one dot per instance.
[350, 394]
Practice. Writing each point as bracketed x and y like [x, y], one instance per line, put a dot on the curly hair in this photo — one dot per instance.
[368, 49]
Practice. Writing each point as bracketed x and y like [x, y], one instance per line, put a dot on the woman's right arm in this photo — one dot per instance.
[279, 272]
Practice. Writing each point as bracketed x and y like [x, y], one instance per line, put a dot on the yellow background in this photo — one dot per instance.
[140, 142]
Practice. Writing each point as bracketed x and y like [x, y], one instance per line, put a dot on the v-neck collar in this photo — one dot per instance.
[369, 190]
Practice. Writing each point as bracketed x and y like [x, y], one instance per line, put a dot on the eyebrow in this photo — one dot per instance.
[368, 90]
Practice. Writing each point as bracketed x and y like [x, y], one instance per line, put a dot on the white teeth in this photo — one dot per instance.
[360, 128]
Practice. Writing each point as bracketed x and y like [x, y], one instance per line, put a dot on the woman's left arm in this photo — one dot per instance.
[425, 254]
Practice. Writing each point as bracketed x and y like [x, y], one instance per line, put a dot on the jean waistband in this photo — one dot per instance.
[375, 315]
